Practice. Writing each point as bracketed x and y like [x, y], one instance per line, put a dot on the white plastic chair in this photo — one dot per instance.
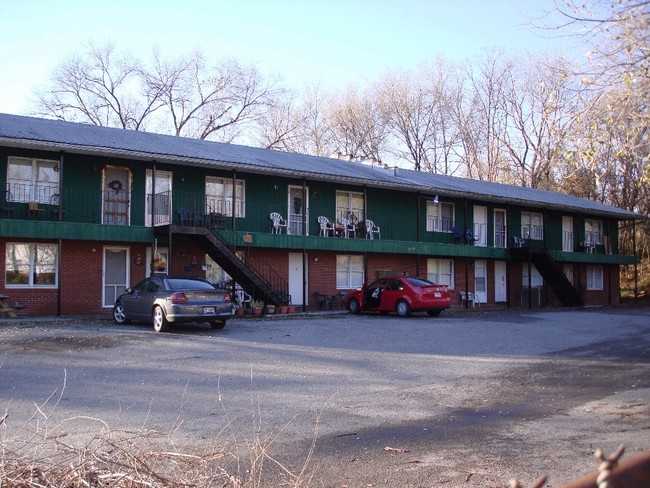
[372, 229]
[242, 297]
[278, 223]
[326, 227]
[348, 228]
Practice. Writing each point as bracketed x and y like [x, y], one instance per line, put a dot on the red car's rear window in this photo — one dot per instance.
[419, 282]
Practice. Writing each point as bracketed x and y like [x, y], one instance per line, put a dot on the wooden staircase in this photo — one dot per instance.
[552, 273]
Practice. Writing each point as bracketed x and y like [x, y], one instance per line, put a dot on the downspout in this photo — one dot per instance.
[466, 257]
[305, 232]
[417, 231]
[636, 265]
[58, 264]
[234, 199]
[153, 213]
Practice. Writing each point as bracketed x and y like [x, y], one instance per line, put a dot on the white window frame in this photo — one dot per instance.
[35, 187]
[29, 263]
[222, 201]
[594, 277]
[593, 231]
[350, 205]
[441, 272]
[532, 225]
[350, 272]
[436, 220]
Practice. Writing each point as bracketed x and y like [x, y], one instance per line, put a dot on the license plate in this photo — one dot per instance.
[209, 310]
[437, 294]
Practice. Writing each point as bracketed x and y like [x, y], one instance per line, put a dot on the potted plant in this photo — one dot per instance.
[270, 309]
[257, 306]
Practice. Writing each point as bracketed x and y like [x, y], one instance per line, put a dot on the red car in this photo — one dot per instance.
[401, 294]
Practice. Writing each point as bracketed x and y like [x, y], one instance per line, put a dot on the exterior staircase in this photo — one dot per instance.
[261, 282]
[552, 273]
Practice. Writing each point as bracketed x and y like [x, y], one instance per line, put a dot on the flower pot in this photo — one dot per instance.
[291, 309]
[239, 312]
[257, 311]
[284, 309]
[270, 309]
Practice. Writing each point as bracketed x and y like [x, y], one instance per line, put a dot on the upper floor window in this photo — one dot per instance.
[32, 180]
[593, 231]
[219, 196]
[441, 271]
[349, 205]
[31, 265]
[532, 226]
[440, 216]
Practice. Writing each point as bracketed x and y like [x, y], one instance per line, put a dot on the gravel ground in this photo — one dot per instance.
[468, 399]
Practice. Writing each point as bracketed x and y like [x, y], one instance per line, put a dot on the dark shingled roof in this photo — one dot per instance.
[54, 135]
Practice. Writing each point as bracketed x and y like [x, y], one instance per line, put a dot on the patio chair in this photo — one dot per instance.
[372, 229]
[349, 229]
[326, 227]
[277, 223]
[456, 234]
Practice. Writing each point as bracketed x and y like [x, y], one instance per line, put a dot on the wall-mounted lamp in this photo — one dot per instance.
[316, 259]
[435, 200]
[93, 250]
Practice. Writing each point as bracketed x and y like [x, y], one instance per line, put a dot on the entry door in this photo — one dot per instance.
[295, 278]
[163, 195]
[116, 196]
[500, 234]
[567, 233]
[480, 280]
[480, 225]
[500, 285]
[116, 274]
[298, 211]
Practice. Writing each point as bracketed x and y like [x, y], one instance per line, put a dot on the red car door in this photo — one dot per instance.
[392, 292]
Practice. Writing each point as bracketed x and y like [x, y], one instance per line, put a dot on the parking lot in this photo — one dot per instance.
[464, 399]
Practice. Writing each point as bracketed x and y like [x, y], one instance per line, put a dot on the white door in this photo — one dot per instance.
[116, 274]
[163, 195]
[500, 293]
[480, 280]
[567, 233]
[480, 225]
[298, 211]
[295, 278]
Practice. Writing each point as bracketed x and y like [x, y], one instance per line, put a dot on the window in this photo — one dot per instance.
[441, 271]
[536, 279]
[219, 198]
[567, 269]
[31, 265]
[532, 226]
[440, 216]
[593, 231]
[32, 180]
[594, 277]
[349, 205]
[349, 272]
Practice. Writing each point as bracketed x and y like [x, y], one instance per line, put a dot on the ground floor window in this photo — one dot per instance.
[536, 279]
[349, 271]
[31, 265]
[594, 277]
[441, 272]
[568, 272]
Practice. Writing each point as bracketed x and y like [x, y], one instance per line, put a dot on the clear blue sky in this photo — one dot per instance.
[334, 42]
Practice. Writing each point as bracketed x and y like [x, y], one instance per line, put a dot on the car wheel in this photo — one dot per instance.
[160, 323]
[118, 314]
[353, 306]
[434, 313]
[403, 309]
[218, 324]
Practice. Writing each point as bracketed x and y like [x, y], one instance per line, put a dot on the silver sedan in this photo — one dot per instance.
[164, 300]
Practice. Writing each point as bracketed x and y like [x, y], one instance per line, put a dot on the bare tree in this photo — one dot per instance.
[100, 86]
[204, 102]
[480, 116]
[417, 110]
[538, 104]
[357, 127]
